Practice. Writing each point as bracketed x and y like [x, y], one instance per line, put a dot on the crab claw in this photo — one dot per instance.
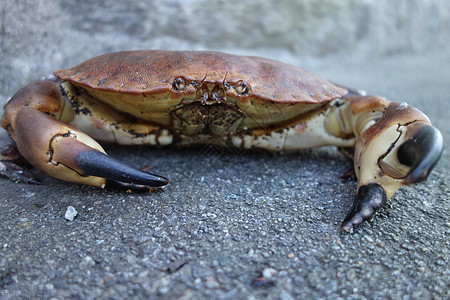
[415, 153]
[401, 148]
[421, 152]
[370, 197]
[96, 163]
[64, 152]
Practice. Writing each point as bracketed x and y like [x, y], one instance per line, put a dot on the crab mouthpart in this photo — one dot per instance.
[211, 94]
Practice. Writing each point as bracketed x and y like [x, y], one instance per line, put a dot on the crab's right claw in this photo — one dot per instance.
[64, 152]
[421, 152]
[369, 198]
[400, 148]
[415, 153]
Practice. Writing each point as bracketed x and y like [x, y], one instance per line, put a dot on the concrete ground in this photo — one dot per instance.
[228, 218]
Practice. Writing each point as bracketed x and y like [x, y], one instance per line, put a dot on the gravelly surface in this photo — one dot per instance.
[227, 217]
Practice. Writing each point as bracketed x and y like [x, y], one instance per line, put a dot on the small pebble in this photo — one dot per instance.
[163, 290]
[211, 283]
[87, 262]
[71, 213]
[268, 273]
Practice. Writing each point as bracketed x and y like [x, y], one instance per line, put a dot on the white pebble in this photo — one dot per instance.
[71, 213]
[268, 273]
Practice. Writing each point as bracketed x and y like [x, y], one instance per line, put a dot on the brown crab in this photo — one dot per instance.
[168, 97]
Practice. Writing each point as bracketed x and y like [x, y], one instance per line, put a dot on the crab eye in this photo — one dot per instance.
[179, 84]
[242, 88]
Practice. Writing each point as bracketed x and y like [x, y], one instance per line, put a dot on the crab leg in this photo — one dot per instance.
[60, 149]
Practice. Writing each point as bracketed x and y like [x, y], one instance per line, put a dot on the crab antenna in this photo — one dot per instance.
[96, 163]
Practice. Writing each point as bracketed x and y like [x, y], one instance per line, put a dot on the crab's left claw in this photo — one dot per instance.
[37, 120]
[116, 173]
[65, 152]
[400, 148]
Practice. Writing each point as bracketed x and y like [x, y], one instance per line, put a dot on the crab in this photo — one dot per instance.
[160, 98]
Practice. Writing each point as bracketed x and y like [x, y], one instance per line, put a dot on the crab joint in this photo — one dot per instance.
[352, 115]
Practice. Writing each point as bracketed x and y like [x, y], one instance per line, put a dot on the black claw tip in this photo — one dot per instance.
[370, 197]
[96, 163]
[421, 152]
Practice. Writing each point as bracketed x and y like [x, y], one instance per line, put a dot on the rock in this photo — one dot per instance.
[71, 213]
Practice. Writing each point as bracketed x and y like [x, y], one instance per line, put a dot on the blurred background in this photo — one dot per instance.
[398, 49]
[39, 36]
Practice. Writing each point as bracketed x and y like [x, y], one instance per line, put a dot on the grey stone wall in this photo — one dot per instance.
[39, 36]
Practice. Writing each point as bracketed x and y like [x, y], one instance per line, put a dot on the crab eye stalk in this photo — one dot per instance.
[179, 84]
[242, 88]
